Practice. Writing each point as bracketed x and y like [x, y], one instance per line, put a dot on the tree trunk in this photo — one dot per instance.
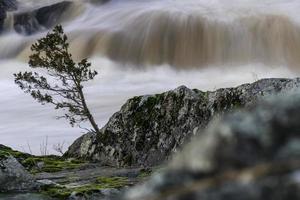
[88, 113]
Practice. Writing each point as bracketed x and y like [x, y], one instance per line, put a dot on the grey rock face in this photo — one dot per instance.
[248, 155]
[148, 129]
[32, 21]
[13, 176]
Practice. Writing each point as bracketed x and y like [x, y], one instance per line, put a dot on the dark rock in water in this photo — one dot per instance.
[9, 5]
[46, 17]
[99, 1]
[14, 177]
[51, 15]
[251, 154]
[2, 18]
[26, 23]
[148, 129]
[5, 6]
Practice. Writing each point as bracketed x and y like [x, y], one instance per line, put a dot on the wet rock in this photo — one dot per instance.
[148, 129]
[99, 2]
[35, 20]
[6, 6]
[14, 177]
[251, 154]
[9, 5]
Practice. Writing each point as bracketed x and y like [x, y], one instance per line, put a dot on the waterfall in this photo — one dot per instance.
[144, 34]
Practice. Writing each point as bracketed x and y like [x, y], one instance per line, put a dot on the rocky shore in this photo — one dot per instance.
[52, 177]
[234, 143]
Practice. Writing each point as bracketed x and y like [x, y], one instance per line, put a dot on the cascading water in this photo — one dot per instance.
[142, 47]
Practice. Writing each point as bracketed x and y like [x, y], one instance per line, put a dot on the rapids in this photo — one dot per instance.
[142, 47]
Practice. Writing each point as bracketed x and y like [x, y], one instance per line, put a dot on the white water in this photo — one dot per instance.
[23, 121]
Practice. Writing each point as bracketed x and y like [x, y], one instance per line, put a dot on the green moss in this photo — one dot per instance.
[112, 182]
[6, 151]
[145, 173]
[151, 102]
[56, 192]
[64, 193]
[100, 183]
[128, 159]
[204, 94]
[146, 111]
[50, 163]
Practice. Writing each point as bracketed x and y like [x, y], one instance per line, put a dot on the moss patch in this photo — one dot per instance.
[112, 182]
[144, 173]
[100, 183]
[35, 164]
[6, 151]
[50, 164]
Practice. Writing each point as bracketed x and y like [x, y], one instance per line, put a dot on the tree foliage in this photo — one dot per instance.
[56, 79]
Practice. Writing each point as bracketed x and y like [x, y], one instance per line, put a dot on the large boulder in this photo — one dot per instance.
[149, 128]
[32, 21]
[252, 154]
[14, 177]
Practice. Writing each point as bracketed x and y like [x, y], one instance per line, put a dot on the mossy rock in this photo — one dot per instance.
[49, 163]
[144, 173]
[100, 183]
[7, 151]
[112, 182]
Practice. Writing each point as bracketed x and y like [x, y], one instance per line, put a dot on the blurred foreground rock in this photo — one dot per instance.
[253, 154]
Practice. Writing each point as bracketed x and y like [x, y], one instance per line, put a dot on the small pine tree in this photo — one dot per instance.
[64, 87]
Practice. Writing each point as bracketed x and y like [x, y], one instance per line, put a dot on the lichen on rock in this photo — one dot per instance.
[148, 129]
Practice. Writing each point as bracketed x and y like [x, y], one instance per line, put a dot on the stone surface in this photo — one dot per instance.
[251, 154]
[24, 196]
[14, 177]
[62, 179]
[148, 129]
